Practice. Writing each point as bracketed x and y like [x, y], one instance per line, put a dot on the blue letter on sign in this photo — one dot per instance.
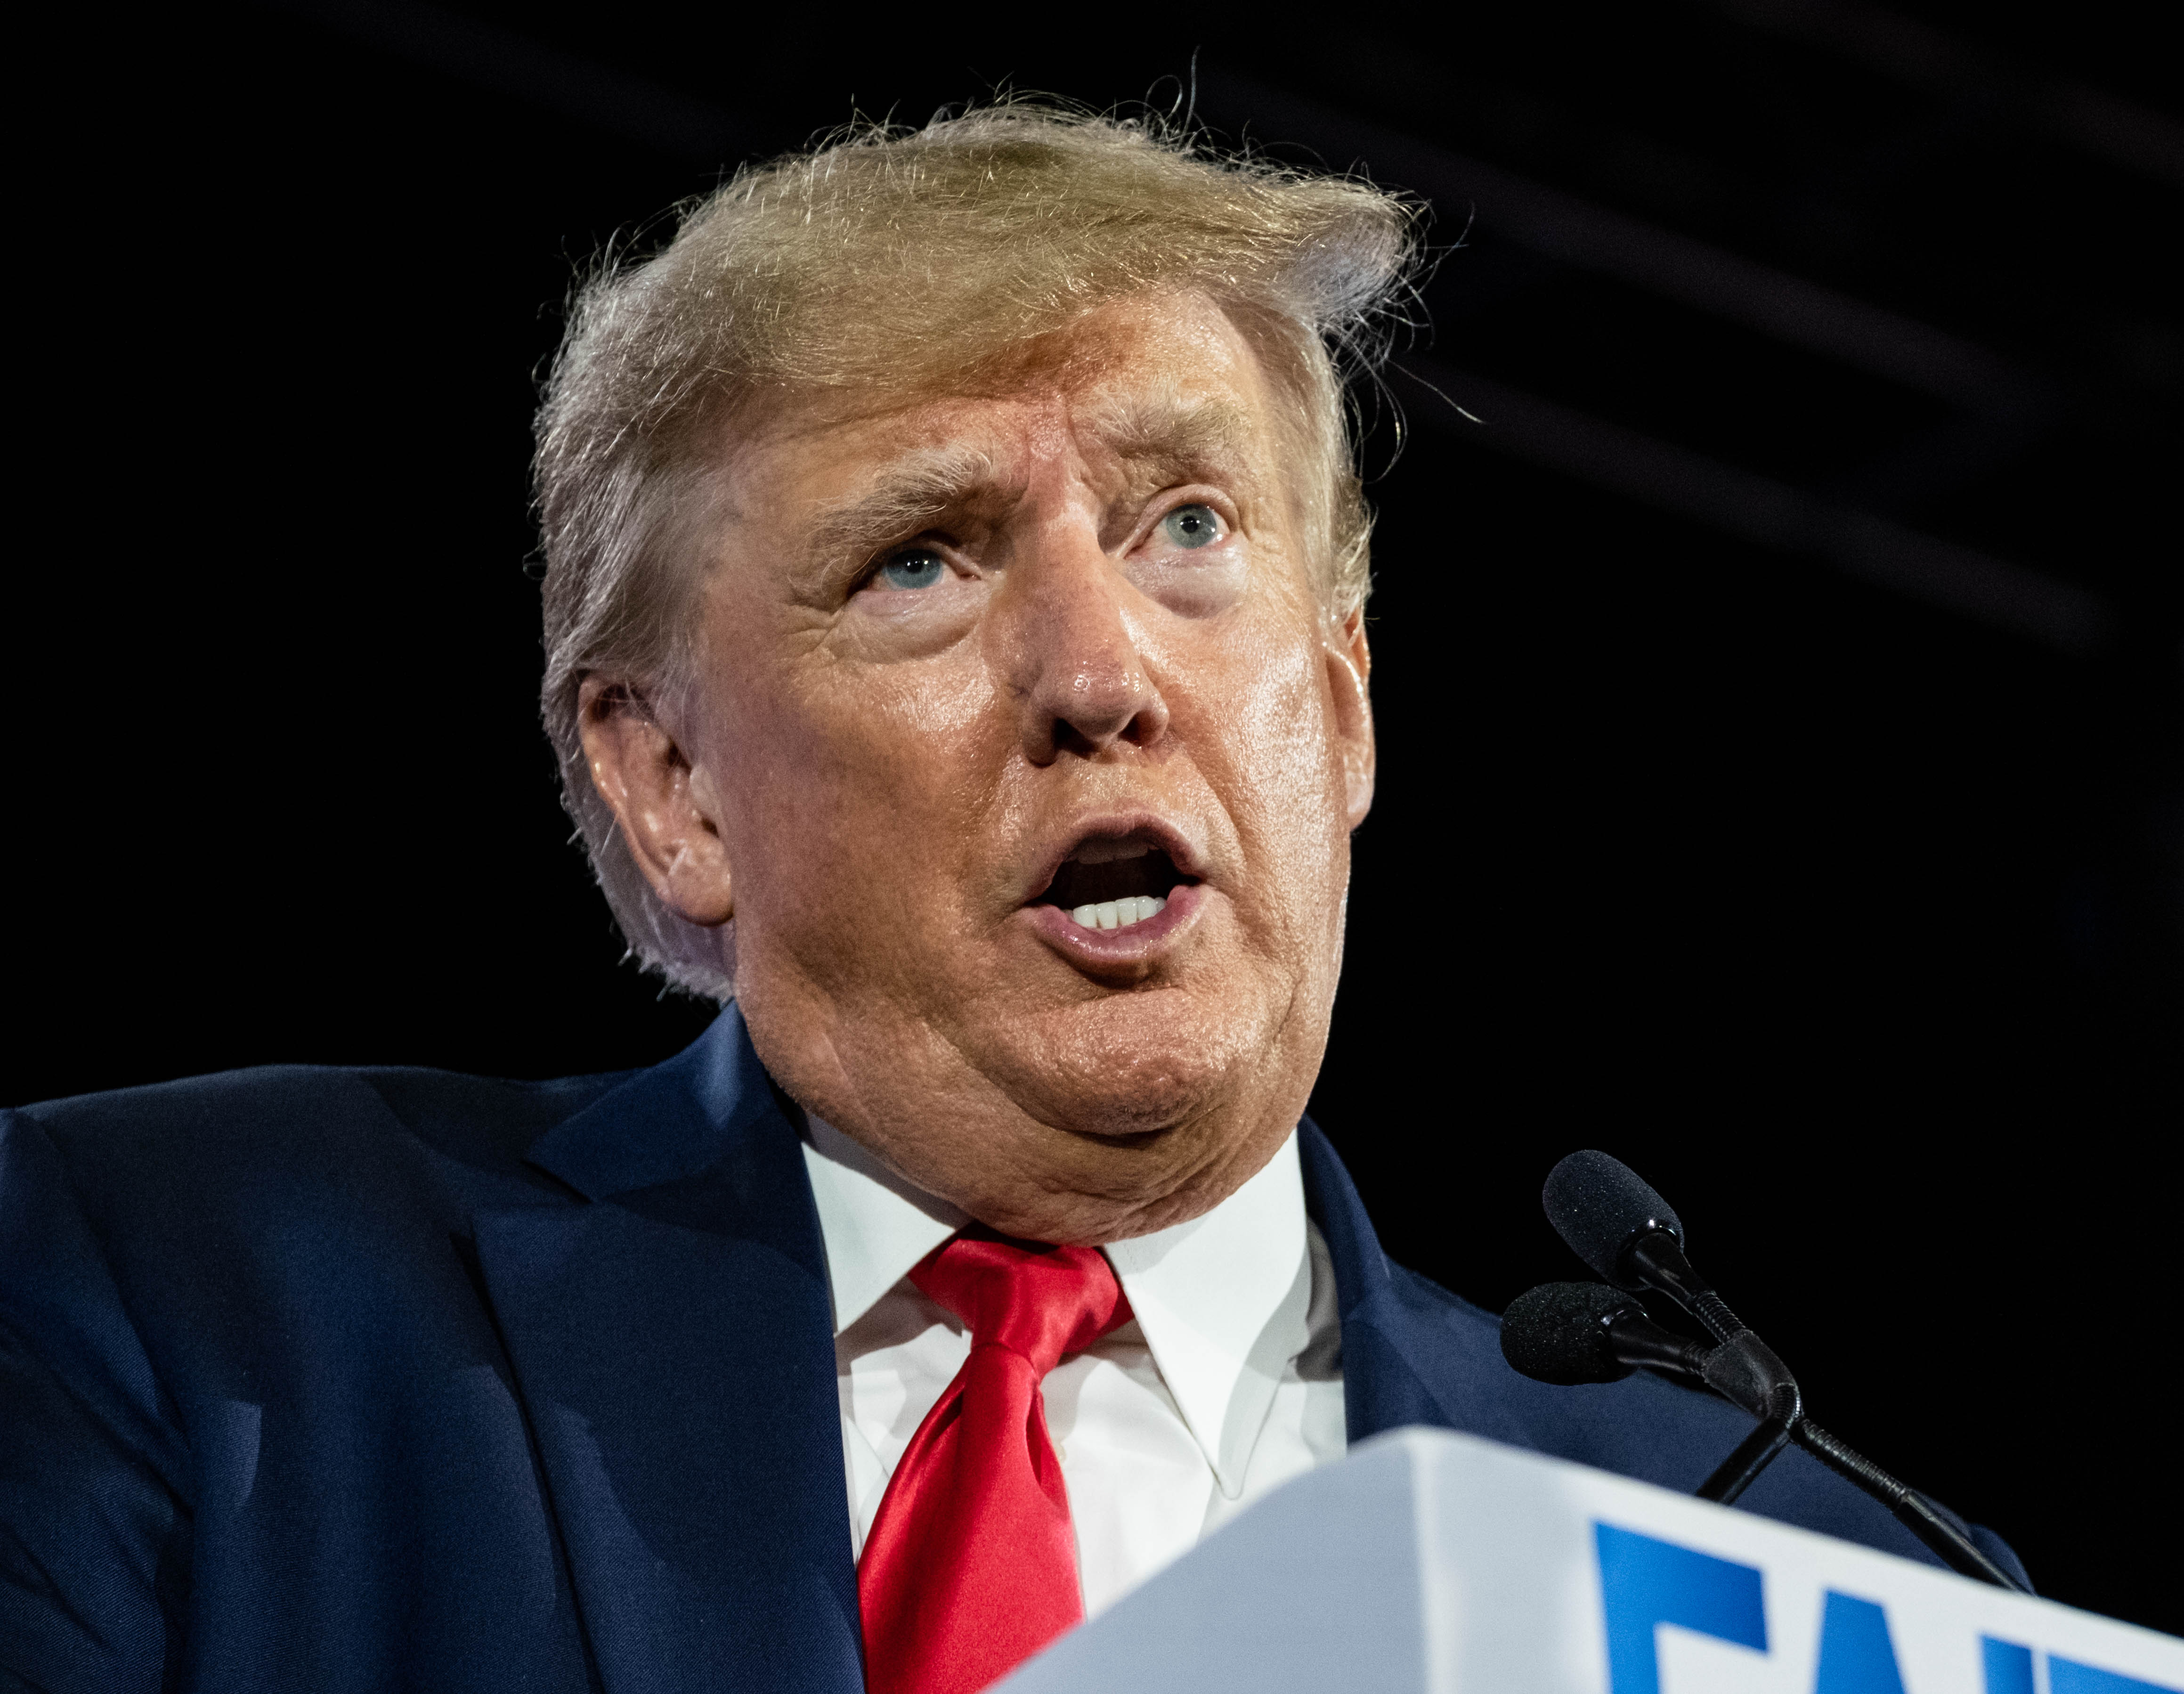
[2009, 1666]
[2067, 1676]
[1856, 1655]
[1644, 1582]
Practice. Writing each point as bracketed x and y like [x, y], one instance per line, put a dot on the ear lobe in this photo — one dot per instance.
[663, 807]
[1349, 671]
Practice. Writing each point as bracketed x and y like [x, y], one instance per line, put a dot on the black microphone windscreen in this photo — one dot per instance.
[1597, 1204]
[1558, 1333]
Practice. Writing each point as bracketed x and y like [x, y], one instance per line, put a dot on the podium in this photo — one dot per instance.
[1428, 1561]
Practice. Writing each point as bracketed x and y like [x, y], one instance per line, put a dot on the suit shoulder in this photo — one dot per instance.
[1474, 1323]
[276, 1115]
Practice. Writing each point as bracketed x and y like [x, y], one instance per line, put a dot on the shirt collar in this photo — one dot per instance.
[876, 1225]
[1222, 1299]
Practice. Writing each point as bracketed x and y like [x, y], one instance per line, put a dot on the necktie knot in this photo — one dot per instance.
[1040, 1301]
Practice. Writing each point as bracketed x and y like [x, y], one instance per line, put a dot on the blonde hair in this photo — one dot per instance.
[886, 262]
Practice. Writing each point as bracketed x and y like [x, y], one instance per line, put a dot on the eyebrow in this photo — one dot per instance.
[1176, 436]
[1168, 437]
[907, 495]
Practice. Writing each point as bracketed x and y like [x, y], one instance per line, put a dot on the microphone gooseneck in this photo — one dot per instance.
[1912, 1508]
[1612, 1218]
[1655, 1258]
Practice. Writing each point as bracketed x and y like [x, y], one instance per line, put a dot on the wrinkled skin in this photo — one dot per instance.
[875, 773]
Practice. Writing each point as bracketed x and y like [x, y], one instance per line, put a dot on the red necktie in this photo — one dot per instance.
[971, 1567]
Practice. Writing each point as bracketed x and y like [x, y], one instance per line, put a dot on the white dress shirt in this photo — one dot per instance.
[1227, 1382]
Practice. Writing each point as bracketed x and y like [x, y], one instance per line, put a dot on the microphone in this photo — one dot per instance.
[1632, 1238]
[1572, 1332]
[1611, 1218]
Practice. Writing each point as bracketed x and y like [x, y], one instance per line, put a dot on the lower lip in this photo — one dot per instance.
[1135, 944]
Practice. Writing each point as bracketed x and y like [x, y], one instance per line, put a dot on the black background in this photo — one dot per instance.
[1843, 902]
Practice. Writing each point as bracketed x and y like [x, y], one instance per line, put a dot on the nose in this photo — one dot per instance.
[1076, 678]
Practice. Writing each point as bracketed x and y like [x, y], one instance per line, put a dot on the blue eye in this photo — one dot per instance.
[1192, 527]
[919, 568]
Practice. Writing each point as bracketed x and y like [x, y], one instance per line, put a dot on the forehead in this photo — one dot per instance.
[1157, 380]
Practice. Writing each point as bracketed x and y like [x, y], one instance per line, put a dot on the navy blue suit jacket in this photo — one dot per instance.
[367, 1379]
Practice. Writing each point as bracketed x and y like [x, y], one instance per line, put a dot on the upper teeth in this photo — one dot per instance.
[1117, 914]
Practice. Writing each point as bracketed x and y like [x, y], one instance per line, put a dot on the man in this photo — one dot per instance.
[956, 648]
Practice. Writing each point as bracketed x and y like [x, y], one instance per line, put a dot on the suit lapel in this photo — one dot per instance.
[672, 1338]
[1411, 1353]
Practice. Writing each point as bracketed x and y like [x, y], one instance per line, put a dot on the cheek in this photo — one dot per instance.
[843, 782]
[1266, 729]
[936, 711]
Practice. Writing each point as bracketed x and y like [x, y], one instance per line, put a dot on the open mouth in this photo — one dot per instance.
[1111, 883]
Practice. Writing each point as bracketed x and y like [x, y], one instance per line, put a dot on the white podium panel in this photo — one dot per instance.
[1432, 1561]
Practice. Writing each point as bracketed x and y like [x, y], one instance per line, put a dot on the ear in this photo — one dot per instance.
[667, 811]
[1349, 671]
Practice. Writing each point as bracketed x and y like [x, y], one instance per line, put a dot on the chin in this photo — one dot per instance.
[1082, 1220]
[1126, 1066]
